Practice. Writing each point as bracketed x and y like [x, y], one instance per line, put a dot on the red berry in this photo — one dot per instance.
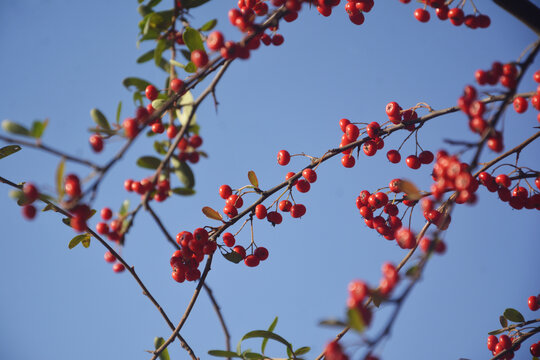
[298, 210]
[260, 211]
[102, 228]
[176, 85]
[29, 212]
[118, 267]
[303, 186]
[277, 39]
[421, 15]
[357, 18]
[533, 303]
[283, 157]
[215, 40]
[251, 260]
[96, 142]
[413, 162]
[405, 238]
[30, 193]
[392, 109]
[106, 213]
[230, 211]
[492, 342]
[199, 58]
[151, 92]
[393, 156]
[228, 239]
[285, 205]
[343, 124]
[310, 175]
[225, 191]
[195, 141]
[158, 128]
[426, 157]
[109, 257]
[240, 250]
[520, 104]
[348, 161]
[235, 200]
[274, 217]
[352, 132]
[130, 128]
[369, 148]
[535, 349]
[261, 253]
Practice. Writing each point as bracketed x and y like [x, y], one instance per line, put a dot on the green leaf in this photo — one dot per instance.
[137, 96]
[190, 68]
[160, 47]
[303, 350]
[183, 191]
[413, 271]
[139, 84]
[14, 128]
[209, 25]
[18, 196]
[495, 332]
[333, 322]
[165, 66]
[233, 256]
[183, 114]
[60, 179]
[86, 241]
[124, 208]
[38, 127]
[513, 315]
[263, 334]
[99, 119]
[8, 150]
[211, 213]
[355, 320]
[148, 162]
[270, 328]
[183, 172]
[503, 321]
[48, 208]
[79, 238]
[118, 112]
[156, 104]
[164, 355]
[253, 178]
[252, 355]
[188, 4]
[193, 39]
[176, 63]
[147, 56]
[377, 298]
[161, 147]
[223, 353]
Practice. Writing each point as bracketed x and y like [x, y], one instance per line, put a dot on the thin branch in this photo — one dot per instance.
[220, 316]
[46, 148]
[162, 227]
[524, 11]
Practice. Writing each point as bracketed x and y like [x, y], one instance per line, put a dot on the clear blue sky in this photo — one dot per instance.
[62, 58]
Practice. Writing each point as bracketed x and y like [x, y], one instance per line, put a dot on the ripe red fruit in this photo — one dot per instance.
[78, 223]
[260, 211]
[151, 92]
[310, 175]
[240, 250]
[261, 253]
[29, 212]
[178, 276]
[158, 128]
[520, 104]
[230, 211]
[357, 18]
[535, 349]
[109, 257]
[102, 228]
[303, 186]
[199, 58]
[283, 157]
[298, 210]
[130, 128]
[348, 161]
[215, 40]
[118, 267]
[503, 180]
[533, 303]
[421, 15]
[72, 185]
[413, 162]
[195, 141]
[30, 193]
[405, 238]
[251, 260]
[225, 191]
[96, 142]
[277, 39]
[393, 156]
[106, 213]
[426, 157]
[442, 12]
[369, 148]
[343, 124]
[492, 342]
[274, 217]
[228, 239]
[285, 205]
[392, 109]
[235, 200]
[352, 132]
[176, 85]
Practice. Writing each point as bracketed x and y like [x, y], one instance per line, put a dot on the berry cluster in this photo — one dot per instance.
[504, 342]
[114, 230]
[159, 192]
[518, 197]
[351, 132]
[456, 15]
[30, 194]
[194, 246]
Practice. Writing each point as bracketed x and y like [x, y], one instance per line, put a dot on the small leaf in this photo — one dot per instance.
[211, 213]
[99, 119]
[60, 179]
[38, 127]
[333, 322]
[118, 112]
[513, 315]
[409, 189]
[264, 334]
[183, 172]
[209, 25]
[138, 83]
[161, 147]
[137, 96]
[147, 56]
[193, 39]
[233, 256]
[190, 68]
[183, 191]
[14, 128]
[355, 320]
[303, 350]
[253, 178]
[48, 208]
[77, 239]
[495, 332]
[412, 272]
[176, 63]
[8, 150]
[270, 328]
[186, 54]
[503, 321]
[86, 241]
[124, 208]
[148, 162]
[252, 355]
[223, 353]
[67, 221]
[156, 104]
[160, 47]
[188, 4]
[164, 355]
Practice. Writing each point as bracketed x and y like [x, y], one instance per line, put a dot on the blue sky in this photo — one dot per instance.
[61, 59]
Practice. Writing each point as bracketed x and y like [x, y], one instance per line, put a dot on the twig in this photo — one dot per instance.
[220, 316]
